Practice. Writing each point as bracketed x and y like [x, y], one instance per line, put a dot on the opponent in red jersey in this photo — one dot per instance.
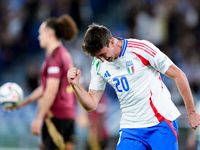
[56, 114]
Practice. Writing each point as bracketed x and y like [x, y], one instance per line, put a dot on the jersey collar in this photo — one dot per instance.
[124, 47]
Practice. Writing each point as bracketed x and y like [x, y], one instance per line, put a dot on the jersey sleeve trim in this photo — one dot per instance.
[165, 67]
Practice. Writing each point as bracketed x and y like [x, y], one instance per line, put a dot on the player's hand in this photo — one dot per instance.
[73, 75]
[22, 104]
[194, 120]
[8, 109]
[36, 126]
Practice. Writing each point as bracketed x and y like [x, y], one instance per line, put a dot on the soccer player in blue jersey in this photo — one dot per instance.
[133, 67]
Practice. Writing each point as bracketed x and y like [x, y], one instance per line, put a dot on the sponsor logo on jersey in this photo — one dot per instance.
[162, 62]
[130, 67]
[107, 74]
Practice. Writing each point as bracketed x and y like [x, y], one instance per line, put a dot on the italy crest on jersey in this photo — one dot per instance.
[130, 67]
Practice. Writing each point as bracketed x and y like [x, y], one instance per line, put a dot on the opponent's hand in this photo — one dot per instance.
[8, 109]
[194, 120]
[73, 75]
[22, 104]
[36, 126]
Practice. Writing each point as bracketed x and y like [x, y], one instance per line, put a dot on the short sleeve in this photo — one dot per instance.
[54, 68]
[97, 82]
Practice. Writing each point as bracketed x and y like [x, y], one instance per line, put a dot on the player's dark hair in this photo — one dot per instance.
[96, 37]
[64, 27]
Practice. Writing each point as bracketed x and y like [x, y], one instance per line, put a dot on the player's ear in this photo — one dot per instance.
[51, 32]
[111, 42]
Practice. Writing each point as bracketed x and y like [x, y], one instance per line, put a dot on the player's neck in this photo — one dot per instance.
[119, 46]
[52, 46]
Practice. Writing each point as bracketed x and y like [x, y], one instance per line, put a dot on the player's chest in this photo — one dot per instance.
[123, 69]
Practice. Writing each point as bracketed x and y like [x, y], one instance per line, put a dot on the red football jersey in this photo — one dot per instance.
[56, 65]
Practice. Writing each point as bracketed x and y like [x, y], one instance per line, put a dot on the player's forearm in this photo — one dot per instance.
[84, 98]
[35, 95]
[45, 103]
[185, 92]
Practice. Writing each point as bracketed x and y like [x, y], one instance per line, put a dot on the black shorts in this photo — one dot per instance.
[56, 133]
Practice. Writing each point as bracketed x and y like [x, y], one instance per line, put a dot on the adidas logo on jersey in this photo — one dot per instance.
[107, 74]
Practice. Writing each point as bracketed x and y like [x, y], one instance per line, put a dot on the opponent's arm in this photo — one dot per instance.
[46, 102]
[182, 83]
[48, 96]
[89, 100]
[35, 95]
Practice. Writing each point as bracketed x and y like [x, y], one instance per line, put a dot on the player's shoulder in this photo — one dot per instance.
[128, 45]
[56, 57]
[140, 46]
[132, 41]
[96, 63]
[95, 67]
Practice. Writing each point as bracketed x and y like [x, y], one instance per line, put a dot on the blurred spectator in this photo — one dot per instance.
[151, 23]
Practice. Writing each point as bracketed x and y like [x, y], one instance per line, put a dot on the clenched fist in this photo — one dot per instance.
[73, 75]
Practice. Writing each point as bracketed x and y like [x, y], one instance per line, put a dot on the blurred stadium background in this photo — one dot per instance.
[172, 25]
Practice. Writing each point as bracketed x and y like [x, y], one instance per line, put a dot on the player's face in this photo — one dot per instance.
[43, 35]
[107, 53]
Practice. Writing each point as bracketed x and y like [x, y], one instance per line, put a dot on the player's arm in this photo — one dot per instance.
[48, 97]
[89, 100]
[46, 102]
[35, 95]
[182, 83]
